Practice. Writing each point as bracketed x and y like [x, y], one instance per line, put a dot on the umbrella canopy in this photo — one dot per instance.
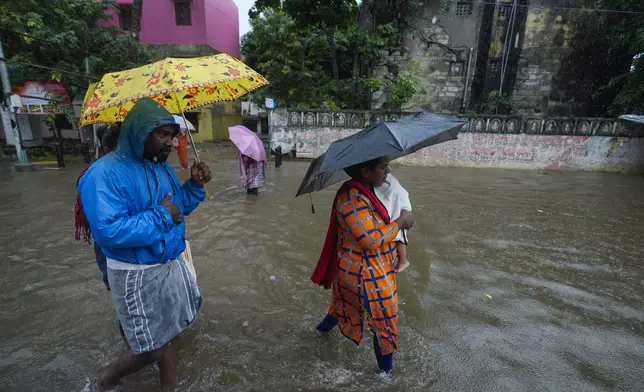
[247, 142]
[183, 124]
[179, 84]
[393, 139]
[633, 118]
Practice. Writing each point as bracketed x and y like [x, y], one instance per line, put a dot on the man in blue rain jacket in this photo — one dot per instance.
[135, 206]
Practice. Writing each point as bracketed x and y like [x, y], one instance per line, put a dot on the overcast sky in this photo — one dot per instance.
[244, 23]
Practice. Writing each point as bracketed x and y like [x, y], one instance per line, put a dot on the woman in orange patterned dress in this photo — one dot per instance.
[358, 262]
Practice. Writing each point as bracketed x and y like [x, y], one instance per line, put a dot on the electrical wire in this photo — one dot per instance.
[554, 7]
[90, 77]
[507, 48]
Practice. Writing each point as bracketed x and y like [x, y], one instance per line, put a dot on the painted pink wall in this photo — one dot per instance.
[214, 23]
[222, 26]
[158, 24]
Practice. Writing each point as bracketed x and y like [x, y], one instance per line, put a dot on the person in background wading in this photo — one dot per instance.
[253, 174]
[107, 139]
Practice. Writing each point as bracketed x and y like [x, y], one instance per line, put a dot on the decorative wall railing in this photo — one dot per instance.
[339, 119]
[567, 126]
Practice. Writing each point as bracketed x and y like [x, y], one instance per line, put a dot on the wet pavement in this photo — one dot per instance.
[520, 281]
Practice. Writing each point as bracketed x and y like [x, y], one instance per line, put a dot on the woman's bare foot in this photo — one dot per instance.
[402, 265]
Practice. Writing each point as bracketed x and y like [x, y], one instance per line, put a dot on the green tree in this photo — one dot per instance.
[630, 98]
[137, 11]
[404, 86]
[65, 35]
[287, 57]
[263, 5]
[327, 15]
[61, 34]
[340, 46]
[601, 73]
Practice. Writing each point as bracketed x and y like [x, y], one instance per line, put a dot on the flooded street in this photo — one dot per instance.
[519, 281]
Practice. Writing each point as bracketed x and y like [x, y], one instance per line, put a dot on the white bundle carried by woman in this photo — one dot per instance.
[395, 198]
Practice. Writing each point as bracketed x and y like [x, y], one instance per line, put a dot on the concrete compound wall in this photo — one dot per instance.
[498, 142]
[597, 153]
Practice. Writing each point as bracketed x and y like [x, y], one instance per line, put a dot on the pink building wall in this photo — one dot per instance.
[222, 26]
[214, 23]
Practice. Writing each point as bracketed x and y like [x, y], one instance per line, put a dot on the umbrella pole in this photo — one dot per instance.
[192, 141]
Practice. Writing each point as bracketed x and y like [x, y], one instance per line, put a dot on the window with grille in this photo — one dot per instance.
[464, 9]
[183, 13]
[505, 10]
[494, 67]
[125, 17]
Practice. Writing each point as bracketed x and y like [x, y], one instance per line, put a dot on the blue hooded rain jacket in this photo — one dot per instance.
[122, 193]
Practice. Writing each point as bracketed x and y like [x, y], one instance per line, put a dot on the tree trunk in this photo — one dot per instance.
[334, 58]
[137, 11]
[364, 18]
[60, 148]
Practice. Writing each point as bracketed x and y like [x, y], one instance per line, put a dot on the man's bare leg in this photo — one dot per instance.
[126, 364]
[403, 263]
[168, 359]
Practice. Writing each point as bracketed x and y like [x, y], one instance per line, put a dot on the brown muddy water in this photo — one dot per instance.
[520, 281]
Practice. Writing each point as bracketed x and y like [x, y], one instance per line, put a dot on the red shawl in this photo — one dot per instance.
[327, 266]
[81, 223]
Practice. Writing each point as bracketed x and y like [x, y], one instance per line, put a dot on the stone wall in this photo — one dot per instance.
[525, 142]
[546, 41]
[447, 42]
[440, 42]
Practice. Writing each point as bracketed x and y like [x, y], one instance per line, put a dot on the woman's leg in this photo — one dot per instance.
[385, 362]
[327, 324]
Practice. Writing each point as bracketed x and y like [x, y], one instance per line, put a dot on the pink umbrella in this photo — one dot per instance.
[247, 142]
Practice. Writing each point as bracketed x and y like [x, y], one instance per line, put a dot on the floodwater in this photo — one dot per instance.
[520, 281]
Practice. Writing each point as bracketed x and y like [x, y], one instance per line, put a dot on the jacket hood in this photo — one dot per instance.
[146, 115]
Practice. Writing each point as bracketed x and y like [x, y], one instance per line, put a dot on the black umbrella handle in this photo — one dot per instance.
[312, 206]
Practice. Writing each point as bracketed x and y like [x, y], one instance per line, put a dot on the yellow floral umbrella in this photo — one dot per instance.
[179, 84]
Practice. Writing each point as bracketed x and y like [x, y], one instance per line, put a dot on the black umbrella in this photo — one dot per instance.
[393, 139]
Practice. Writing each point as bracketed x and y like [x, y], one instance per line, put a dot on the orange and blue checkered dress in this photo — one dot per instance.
[365, 279]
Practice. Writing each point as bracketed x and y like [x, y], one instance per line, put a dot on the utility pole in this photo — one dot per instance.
[5, 111]
[86, 154]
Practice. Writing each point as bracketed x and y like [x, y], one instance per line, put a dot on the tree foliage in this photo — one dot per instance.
[61, 34]
[327, 48]
[286, 58]
[602, 71]
[405, 85]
